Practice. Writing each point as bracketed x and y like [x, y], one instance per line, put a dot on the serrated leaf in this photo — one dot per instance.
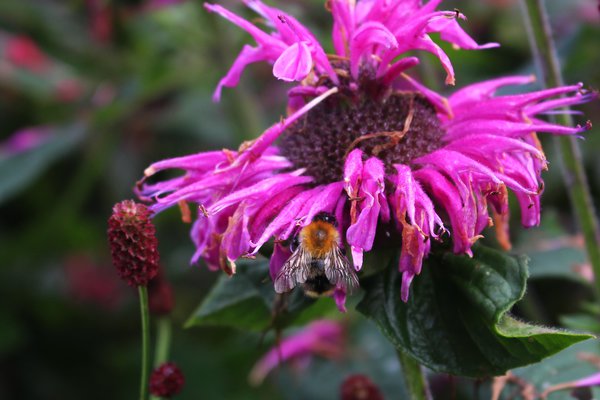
[246, 299]
[456, 318]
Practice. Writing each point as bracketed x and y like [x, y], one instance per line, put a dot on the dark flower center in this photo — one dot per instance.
[396, 128]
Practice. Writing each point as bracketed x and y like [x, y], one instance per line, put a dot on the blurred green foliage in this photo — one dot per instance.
[123, 85]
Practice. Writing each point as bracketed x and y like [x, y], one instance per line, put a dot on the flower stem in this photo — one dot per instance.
[415, 382]
[143, 292]
[544, 49]
[163, 341]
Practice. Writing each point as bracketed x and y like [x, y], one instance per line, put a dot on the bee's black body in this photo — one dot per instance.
[317, 284]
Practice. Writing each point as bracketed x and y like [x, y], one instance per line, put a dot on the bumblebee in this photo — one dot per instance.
[317, 262]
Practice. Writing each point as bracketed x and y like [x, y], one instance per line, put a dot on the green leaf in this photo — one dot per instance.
[19, 170]
[572, 364]
[246, 299]
[553, 252]
[456, 319]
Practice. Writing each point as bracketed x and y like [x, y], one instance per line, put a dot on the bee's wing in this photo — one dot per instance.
[339, 271]
[294, 271]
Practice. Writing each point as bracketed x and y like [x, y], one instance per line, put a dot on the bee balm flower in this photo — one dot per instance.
[367, 144]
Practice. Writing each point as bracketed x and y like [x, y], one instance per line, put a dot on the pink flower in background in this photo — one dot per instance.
[367, 144]
[69, 90]
[25, 139]
[25, 53]
[94, 284]
[320, 338]
[101, 20]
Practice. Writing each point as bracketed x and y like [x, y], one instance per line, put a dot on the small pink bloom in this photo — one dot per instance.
[25, 53]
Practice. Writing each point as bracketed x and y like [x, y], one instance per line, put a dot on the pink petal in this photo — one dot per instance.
[278, 258]
[339, 295]
[294, 64]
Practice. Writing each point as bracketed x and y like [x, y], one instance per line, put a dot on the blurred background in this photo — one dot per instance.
[93, 91]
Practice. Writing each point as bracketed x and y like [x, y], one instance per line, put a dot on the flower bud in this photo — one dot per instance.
[166, 380]
[359, 387]
[133, 243]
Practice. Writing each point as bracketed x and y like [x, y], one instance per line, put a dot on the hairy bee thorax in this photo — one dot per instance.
[319, 237]
[395, 126]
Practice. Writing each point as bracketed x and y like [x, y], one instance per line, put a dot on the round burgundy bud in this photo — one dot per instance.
[359, 387]
[160, 295]
[166, 380]
[133, 243]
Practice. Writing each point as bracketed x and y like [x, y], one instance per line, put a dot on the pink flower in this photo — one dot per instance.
[90, 283]
[371, 146]
[371, 34]
[323, 338]
[25, 139]
[25, 53]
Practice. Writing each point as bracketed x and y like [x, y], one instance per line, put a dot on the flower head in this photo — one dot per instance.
[368, 144]
[166, 380]
[359, 387]
[133, 243]
[323, 338]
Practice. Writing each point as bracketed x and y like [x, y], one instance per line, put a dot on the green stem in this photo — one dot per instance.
[163, 341]
[415, 381]
[143, 292]
[544, 49]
